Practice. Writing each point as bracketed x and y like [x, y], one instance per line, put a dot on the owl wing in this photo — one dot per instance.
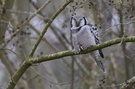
[95, 33]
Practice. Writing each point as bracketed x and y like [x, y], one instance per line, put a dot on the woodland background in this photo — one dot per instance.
[114, 19]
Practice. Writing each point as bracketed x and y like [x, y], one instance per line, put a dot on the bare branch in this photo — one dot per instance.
[129, 84]
[71, 52]
[26, 64]
[26, 21]
[46, 27]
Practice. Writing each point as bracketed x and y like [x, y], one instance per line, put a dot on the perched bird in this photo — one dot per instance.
[85, 36]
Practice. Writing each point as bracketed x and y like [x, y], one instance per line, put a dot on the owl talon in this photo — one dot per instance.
[76, 51]
[81, 48]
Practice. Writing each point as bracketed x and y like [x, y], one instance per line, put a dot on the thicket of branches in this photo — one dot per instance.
[34, 33]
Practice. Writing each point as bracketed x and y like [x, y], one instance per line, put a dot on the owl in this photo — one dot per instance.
[84, 36]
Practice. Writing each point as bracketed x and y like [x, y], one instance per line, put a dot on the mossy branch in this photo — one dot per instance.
[46, 27]
[29, 61]
[54, 56]
[13, 81]
[71, 52]
[129, 84]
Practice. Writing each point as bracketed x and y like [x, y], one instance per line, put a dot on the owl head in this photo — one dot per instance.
[78, 21]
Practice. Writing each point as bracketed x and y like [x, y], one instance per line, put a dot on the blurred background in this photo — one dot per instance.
[114, 19]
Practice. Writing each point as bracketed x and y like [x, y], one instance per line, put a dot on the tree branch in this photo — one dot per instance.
[50, 57]
[13, 81]
[26, 21]
[46, 27]
[71, 52]
[129, 84]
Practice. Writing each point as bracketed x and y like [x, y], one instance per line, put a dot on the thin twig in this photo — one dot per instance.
[108, 29]
[26, 21]
[46, 27]
[46, 40]
[25, 65]
[58, 36]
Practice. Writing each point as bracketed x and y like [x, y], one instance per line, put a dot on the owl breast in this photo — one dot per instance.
[85, 37]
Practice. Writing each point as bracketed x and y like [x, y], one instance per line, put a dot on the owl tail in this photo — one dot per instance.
[95, 56]
[101, 53]
[100, 64]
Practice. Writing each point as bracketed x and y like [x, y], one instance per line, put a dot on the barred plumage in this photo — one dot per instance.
[85, 36]
[95, 33]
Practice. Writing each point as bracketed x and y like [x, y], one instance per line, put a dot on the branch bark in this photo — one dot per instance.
[25, 22]
[71, 52]
[30, 60]
[129, 84]
[15, 78]
[50, 57]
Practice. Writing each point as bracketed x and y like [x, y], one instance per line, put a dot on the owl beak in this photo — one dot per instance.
[77, 24]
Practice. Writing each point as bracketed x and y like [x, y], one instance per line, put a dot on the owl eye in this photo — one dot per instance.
[82, 21]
